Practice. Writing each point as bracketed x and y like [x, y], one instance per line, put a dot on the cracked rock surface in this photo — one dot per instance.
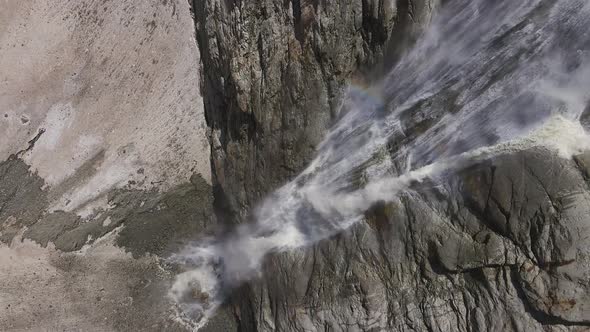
[273, 72]
[500, 246]
[104, 162]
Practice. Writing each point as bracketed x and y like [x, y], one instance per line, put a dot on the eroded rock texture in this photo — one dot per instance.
[272, 75]
[501, 246]
[104, 162]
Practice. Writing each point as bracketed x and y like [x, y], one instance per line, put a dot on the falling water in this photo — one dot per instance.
[488, 77]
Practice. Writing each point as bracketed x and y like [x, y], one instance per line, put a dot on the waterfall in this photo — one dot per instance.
[487, 78]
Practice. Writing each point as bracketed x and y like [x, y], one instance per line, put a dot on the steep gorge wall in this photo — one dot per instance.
[498, 247]
[104, 162]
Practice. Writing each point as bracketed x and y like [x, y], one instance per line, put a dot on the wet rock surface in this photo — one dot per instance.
[500, 246]
[107, 171]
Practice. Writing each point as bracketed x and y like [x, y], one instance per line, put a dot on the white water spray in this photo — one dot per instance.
[489, 77]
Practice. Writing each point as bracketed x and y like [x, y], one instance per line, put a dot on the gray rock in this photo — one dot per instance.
[273, 72]
[104, 162]
[500, 246]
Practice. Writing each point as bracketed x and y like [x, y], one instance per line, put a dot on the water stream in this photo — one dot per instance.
[488, 77]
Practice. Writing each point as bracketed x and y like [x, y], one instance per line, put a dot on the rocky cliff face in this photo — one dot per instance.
[500, 246]
[273, 72]
[104, 170]
[104, 162]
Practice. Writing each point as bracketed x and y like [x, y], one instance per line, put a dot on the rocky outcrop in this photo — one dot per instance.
[500, 246]
[104, 170]
[272, 76]
[104, 162]
[273, 72]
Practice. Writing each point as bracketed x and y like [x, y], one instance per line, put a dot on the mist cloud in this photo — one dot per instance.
[489, 77]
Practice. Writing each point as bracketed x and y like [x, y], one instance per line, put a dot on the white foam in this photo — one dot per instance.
[535, 105]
